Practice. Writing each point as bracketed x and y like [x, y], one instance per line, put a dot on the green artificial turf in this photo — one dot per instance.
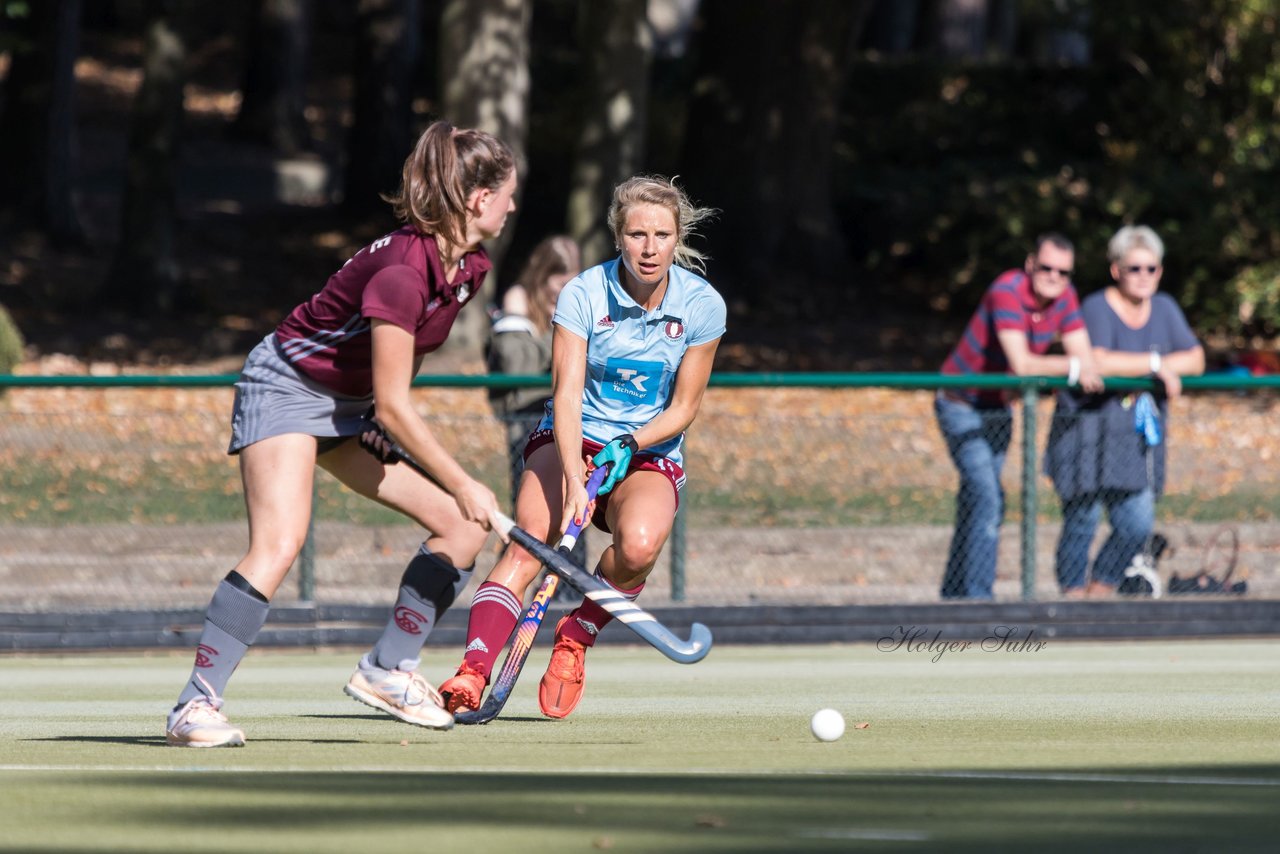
[1140, 746]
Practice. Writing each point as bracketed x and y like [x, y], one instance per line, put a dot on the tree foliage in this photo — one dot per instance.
[870, 154]
[949, 168]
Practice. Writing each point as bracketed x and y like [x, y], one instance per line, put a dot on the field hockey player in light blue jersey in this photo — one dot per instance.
[632, 352]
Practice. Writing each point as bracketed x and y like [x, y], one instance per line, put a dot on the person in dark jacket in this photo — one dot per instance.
[1108, 450]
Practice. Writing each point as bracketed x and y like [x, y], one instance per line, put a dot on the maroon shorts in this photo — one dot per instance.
[640, 462]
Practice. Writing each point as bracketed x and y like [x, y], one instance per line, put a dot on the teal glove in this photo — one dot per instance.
[618, 453]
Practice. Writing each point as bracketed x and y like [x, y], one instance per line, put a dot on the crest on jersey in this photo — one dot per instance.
[674, 329]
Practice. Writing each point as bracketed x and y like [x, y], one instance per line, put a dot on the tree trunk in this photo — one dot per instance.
[893, 26]
[275, 81]
[37, 135]
[761, 135]
[145, 275]
[382, 133]
[617, 46]
[484, 59]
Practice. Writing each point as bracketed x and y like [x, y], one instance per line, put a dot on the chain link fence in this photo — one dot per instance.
[803, 490]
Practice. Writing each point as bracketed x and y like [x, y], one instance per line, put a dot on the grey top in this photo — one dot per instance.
[515, 346]
[1166, 331]
[1093, 442]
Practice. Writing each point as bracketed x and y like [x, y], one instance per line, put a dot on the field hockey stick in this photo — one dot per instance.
[603, 594]
[527, 630]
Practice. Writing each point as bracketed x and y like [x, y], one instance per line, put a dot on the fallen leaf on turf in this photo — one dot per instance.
[604, 843]
[863, 725]
[404, 743]
[710, 821]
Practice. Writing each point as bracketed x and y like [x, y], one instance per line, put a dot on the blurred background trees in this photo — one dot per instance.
[876, 162]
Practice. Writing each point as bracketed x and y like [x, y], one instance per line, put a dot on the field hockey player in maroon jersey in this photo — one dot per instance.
[302, 398]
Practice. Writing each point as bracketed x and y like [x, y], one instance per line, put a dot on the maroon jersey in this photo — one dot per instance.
[1009, 304]
[397, 278]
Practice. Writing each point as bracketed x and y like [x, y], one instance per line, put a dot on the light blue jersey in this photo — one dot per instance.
[633, 355]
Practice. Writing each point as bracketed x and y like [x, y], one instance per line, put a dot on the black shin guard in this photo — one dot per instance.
[428, 587]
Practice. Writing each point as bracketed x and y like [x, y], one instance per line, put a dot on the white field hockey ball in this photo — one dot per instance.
[826, 725]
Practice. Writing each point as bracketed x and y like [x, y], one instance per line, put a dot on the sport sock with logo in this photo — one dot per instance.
[231, 625]
[494, 612]
[588, 619]
[427, 589]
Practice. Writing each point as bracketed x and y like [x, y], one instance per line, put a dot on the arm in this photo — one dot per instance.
[568, 379]
[1170, 370]
[691, 384]
[1022, 362]
[393, 369]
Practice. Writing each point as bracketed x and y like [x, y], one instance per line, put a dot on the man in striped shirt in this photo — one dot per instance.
[1022, 314]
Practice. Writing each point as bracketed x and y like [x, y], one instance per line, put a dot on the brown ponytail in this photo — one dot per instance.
[445, 167]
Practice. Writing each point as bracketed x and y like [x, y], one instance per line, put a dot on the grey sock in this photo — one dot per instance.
[428, 588]
[406, 632]
[231, 625]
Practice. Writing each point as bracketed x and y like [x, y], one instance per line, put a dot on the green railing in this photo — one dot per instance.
[1209, 382]
[1027, 389]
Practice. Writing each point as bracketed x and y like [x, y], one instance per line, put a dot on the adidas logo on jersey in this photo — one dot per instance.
[605, 322]
[477, 645]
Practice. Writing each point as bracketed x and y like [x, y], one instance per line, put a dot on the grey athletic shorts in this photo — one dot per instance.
[273, 398]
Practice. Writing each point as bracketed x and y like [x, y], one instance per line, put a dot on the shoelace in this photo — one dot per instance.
[211, 699]
[565, 663]
[418, 681]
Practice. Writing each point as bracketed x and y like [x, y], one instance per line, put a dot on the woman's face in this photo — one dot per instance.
[648, 243]
[491, 207]
[1138, 273]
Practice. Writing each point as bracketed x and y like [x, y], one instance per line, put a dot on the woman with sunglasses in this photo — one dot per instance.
[1108, 450]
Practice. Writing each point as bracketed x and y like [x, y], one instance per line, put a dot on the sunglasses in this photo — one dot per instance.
[1135, 269]
[1061, 271]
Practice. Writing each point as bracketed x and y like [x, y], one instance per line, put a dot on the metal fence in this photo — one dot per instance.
[804, 489]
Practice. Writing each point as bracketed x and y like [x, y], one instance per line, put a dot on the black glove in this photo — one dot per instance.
[374, 439]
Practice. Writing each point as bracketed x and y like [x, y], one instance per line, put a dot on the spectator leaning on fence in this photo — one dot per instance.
[1021, 315]
[302, 397]
[633, 346]
[1108, 450]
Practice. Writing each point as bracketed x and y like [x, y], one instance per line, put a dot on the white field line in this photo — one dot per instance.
[1025, 776]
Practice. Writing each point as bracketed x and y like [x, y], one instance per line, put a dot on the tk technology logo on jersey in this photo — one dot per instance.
[631, 380]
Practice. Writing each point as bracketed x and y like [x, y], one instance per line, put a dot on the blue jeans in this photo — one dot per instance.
[977, 440]
[1132, 516]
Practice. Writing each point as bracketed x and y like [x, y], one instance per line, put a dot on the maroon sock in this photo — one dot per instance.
[588, 619]
[494, 612]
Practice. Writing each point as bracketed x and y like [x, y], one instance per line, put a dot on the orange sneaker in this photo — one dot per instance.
[561, 686]
[463, 690]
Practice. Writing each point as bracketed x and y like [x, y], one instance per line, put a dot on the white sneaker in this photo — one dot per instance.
[401, 693]
[199, 723]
